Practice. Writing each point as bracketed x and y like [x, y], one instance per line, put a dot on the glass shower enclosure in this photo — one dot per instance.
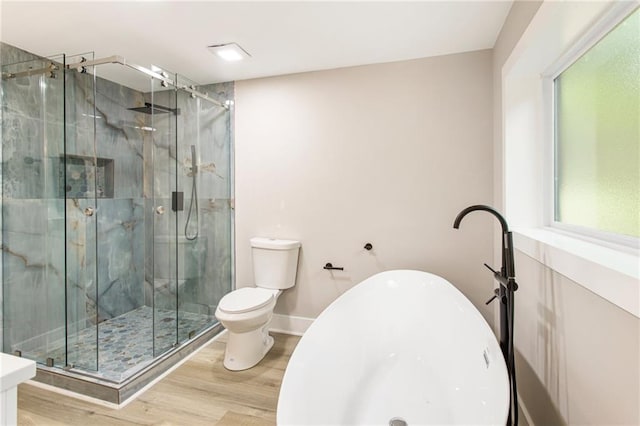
[117, 217]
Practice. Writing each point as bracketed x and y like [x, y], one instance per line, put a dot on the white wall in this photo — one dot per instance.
[521, 13]
[577, 355]
[386, 154]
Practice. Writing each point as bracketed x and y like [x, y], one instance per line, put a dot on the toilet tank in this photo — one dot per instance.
[275, 262]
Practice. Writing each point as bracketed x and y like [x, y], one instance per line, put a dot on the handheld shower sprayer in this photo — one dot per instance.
[194, 164]
[194, 197]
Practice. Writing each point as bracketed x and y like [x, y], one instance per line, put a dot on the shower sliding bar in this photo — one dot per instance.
[115, 59]
[50, 69]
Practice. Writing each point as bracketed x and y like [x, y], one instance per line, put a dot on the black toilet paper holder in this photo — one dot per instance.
[330, 267]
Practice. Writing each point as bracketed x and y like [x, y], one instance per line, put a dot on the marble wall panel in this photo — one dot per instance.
[121, 254]
[202, 294]
[33, 277]
[105, 259]
[120, 136]
[29, 171]
[216, 144]
[80, 263]
[32, 112]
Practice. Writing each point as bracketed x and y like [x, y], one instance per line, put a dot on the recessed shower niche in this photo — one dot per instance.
[80, 178]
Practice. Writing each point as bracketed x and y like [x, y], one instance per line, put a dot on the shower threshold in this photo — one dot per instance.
[117, 388]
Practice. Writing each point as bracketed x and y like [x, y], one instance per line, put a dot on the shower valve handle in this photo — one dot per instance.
[496, 294]
[491, 269]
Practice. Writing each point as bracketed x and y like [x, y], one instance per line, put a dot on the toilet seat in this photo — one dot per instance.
[246, 299]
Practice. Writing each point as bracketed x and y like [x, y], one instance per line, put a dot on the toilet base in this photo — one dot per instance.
[245, 350]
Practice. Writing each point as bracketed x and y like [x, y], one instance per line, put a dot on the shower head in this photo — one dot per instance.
[150, 108]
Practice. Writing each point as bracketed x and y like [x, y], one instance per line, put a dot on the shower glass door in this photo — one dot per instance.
[80, 185]
[192, 225]
[192, 312]
[204, 226]
[109, 314]
[167, 203]
[33, 246]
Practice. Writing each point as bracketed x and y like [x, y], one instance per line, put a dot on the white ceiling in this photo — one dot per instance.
[282, 37]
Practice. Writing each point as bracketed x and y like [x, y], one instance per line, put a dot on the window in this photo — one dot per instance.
[558, 34]
[597, 135]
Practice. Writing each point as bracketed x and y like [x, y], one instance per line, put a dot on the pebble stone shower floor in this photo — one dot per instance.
[125, 342]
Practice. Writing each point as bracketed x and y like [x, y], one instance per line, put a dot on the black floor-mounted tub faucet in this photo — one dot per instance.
[505, 294]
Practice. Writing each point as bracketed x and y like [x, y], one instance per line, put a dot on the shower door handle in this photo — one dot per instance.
[88, 211]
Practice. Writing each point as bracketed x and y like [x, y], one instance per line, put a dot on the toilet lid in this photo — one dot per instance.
[245, 299]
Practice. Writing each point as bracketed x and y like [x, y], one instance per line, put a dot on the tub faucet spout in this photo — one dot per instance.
[506, 277]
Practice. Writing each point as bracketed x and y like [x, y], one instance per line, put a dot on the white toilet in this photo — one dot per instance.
[246, 312]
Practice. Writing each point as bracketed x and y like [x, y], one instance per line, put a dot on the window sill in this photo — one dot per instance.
[612, 274]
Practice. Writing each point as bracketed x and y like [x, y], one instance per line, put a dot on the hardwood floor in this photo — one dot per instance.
[200, 392]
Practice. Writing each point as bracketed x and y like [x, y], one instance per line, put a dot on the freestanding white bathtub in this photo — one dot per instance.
[401, 346]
